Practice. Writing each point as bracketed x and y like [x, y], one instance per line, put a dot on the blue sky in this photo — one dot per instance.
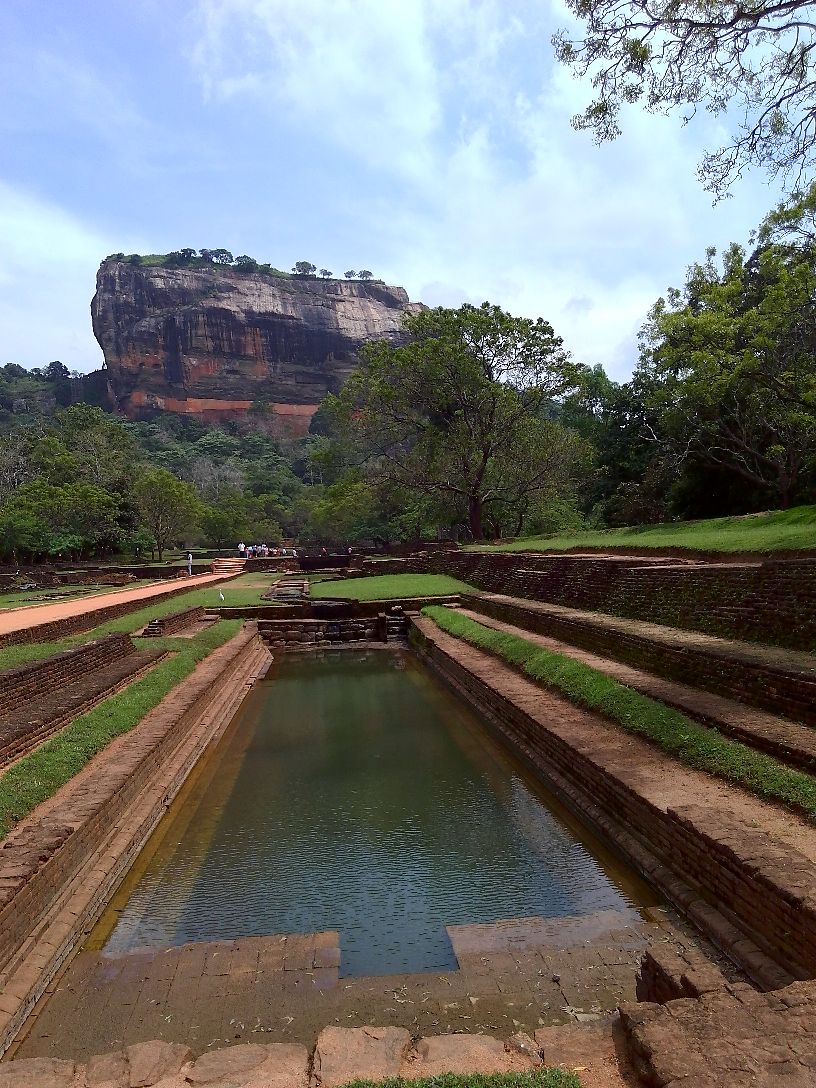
[426, 140]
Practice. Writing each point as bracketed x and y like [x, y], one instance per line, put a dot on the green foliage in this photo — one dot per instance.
[455, 413]
[672, 732]
[751, 64]
[536, 1078]
[39, 775]
[383, 587]
[168, 507]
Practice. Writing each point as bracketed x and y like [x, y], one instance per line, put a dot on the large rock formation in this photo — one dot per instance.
[218, 343]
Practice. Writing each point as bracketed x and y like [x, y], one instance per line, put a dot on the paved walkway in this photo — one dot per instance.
[20, 619]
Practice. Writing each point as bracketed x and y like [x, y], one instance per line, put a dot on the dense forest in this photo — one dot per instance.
[480, 426]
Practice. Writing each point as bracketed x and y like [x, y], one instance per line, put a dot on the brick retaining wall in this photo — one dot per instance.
[20, 685]
[766, 888]
[86, 621]
[773, 688]
[40, 859]
[770, 601]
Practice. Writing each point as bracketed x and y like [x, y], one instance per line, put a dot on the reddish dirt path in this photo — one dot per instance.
[20, 619]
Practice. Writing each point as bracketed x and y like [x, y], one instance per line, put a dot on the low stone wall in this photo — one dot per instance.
[169, 625]
[60, 865]
[291, 633]
[778, 690]
[698, 856]
[771, 601]
[20, 685]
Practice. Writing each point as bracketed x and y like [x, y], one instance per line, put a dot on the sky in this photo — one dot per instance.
[426, 140]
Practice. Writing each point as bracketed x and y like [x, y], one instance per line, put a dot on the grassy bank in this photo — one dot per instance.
[382, 587]
[672, 732]
[536, 1078]
[39, 775]
[780, 530]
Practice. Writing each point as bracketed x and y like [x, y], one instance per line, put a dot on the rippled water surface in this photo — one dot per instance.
[357, 793]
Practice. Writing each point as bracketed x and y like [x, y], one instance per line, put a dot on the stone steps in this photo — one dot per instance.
[787, 741]
[768, 678]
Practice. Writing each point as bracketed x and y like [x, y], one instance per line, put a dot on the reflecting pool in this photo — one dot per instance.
[355, 792]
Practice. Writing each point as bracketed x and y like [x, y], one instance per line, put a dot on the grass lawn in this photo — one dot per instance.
[39, 775]
[780, 530]
[382, 587]
[536, 1078]
[694, 744]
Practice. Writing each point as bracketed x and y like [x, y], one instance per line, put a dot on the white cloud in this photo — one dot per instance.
[48, 262]
[473, 183]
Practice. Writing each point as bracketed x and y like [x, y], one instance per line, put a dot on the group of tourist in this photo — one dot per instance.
[262, 551]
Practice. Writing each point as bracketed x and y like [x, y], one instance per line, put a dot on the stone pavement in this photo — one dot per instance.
[340, 1056]
[513, 976]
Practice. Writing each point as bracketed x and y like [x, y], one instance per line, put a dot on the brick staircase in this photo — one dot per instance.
[232, 565]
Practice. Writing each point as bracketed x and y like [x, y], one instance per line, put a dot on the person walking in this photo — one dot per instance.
[189, 564]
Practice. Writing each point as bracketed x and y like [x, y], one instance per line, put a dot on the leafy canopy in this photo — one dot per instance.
[455, 413]
[753, 64]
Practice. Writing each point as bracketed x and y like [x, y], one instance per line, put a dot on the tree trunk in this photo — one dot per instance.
[475, 516]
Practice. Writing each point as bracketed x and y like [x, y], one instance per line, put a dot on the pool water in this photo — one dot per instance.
[355, 792]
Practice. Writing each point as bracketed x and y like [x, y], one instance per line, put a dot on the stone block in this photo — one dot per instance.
[151, 1061]
[368, 1053]
[38, 1073]
[110, 1070]
[441, 1054]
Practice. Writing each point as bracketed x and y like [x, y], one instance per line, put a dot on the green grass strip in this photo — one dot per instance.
[39, 775]
[536, 1078]
[383, 587]
[235, 595]
[694, 744]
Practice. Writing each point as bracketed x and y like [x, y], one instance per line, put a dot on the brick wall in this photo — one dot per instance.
[772, 601]
[72, 625]
[168, 625]
[763, 886]
[788, 693]
[20, 685]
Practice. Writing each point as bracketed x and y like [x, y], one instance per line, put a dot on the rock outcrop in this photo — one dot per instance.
[219, 343]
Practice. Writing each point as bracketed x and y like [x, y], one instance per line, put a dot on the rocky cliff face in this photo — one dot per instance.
[217, 343]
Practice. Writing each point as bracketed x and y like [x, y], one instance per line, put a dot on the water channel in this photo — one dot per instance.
[355, 792]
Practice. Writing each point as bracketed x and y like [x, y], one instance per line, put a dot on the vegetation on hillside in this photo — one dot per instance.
[222, 258]
[479, 425]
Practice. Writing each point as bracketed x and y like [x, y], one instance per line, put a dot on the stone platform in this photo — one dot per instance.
[523, 974]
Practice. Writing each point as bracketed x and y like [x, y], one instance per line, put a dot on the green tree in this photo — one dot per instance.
[304, 268]
[325, 273]
[351, 274]
[732, 364]
[753, 64]
[439, 414]
[168, 507]
[365, 275]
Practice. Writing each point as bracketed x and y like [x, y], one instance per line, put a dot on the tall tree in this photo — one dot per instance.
[168, 507]
[753, 64]
[441, 413]
[732, 360]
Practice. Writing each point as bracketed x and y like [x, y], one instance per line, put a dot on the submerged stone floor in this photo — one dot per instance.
[518, 975]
